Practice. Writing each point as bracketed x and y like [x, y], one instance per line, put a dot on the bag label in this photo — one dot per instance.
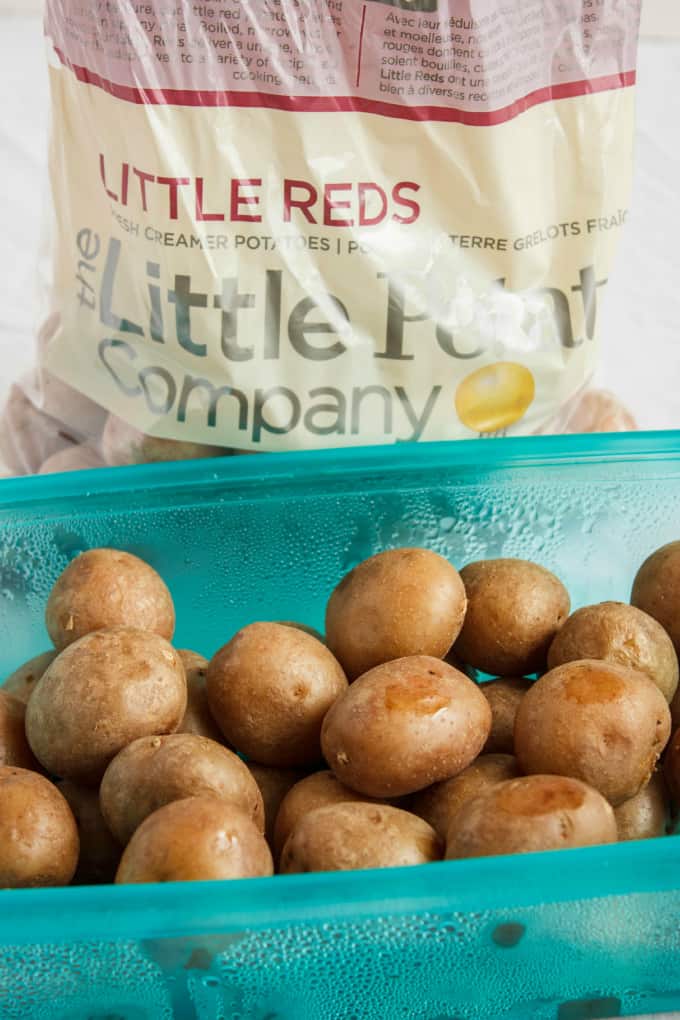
[431, 60]
[287, 224]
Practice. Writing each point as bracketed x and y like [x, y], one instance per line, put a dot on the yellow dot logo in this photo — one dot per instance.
[495, 397]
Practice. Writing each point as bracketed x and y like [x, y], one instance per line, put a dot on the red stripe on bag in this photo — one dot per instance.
[348, 104]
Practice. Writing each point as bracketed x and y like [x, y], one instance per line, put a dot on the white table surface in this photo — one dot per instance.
[640, 325]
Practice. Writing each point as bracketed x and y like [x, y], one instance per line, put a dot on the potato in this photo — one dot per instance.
[38, 834]
[439, 803]
[594, 721]
[404, 726]
[504, 696]
[274, 784]
[671, 767]
[73, 458]
[107, 588]
[618, 633]
[14, 749]
[124, 444]
[20, 684]
[195, 839]
[596, 411]
[198, 717]
[269, 689]
[656, 590]
[318, 790]
[645, 815]
[154, 771]
[531, 814]
[346, 837]
[99, 851]
[99, 695]
[78, 415]
[398, 603]
[28, 436]
[675, 709]
[515, 608]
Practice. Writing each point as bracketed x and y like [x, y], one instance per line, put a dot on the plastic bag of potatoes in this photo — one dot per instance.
[317, 251]
[372, 746]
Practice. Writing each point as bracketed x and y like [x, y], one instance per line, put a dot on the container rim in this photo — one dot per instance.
[183, 909]
[242, 472]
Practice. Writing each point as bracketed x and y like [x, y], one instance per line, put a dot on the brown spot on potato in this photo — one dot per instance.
[415, 694]
[594, 689]
[553, 794]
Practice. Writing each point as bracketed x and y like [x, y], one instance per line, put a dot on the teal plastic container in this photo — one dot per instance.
[562, 936]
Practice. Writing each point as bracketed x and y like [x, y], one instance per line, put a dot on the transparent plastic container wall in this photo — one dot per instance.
[580, 934]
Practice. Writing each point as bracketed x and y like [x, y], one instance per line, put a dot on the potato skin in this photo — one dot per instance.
[348, 837]
[99, 695]
[99, 851]
[404, 726]
[531, 814]
[73, 458]
[274, 785]
[616, 632]
[675, 709]
[439, 803]
[28, 436]
[269, 689]
[198, 717]
[398, 603]
[645, 815]
[38, 834]
[124, 444]
[504, 696]
[671, 767]
[515, 608]
[318, 790]
[196, 839]
[105, 588]
[656, 590]
[21, 682]
[154, 771]
[14, 748]
[594, 721]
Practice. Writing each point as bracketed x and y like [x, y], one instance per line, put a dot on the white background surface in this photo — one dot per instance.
[640, 324]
